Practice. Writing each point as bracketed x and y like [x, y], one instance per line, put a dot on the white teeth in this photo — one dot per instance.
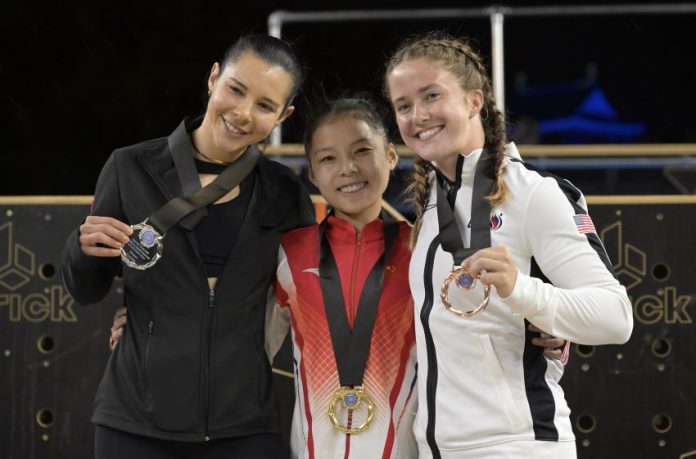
[352, 188]
[428, 133]
[233, 128]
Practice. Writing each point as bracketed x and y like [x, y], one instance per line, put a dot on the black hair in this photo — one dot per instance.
[272, 50]
[359, 106]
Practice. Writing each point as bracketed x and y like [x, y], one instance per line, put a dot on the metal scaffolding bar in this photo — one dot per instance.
[497, 14]
[498, 59]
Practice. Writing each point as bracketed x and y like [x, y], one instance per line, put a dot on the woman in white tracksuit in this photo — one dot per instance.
[484, 391]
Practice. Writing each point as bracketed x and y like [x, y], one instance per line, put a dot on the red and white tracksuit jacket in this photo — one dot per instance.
[390, 373]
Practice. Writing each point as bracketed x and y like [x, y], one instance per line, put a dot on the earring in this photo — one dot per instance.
[210, 92]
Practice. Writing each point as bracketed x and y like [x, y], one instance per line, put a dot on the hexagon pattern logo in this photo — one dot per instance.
[630, 263]
[17, 263]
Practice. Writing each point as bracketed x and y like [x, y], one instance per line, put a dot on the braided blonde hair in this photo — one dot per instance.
[459, 58]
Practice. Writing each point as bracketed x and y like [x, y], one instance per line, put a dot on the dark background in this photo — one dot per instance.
[80, 78]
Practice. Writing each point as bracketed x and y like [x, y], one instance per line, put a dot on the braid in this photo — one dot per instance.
[458, 57]
[496, 139]
[419, 190]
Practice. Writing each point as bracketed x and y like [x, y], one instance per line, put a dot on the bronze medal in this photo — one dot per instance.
[464, 281]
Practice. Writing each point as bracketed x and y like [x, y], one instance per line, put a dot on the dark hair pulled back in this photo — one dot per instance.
[272, 50]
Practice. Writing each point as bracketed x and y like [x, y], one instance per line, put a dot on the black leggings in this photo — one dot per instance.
[116, 444]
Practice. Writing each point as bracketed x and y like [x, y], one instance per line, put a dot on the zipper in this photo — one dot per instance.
[353, 276]
[211, 302]
[431, 378]
[209, 315]
[146, 363]
[349, 424]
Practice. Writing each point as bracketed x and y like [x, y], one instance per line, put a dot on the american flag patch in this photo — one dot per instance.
[584, 224]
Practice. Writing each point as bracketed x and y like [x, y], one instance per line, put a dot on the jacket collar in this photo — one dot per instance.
[182, 151]
[344, 231]
[173, 168]
[271, 197]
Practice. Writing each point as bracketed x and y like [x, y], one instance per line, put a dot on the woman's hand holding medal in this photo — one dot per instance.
[493, 266]
[103, 236]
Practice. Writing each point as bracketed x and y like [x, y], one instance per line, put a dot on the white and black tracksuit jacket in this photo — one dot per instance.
[481, 382]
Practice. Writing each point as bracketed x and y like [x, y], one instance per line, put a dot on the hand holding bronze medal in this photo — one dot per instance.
[451, 239]
[464, 281]
[351, 348]
[146, 247]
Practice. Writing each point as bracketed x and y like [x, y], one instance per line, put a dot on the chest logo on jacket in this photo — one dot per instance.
[314, 271]
[496, 221]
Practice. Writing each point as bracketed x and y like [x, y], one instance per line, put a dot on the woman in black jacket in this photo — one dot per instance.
[190, 377]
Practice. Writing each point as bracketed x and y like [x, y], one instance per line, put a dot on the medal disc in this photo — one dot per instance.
[464, 280]
[143, 249]
[350, 399]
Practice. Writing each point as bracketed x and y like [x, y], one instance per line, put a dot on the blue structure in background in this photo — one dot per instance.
[579, 112]
[595, 120]
[569, 112]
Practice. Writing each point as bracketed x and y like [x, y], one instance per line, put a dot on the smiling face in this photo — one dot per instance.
[437, 119]
[350, 164]
[247, 100]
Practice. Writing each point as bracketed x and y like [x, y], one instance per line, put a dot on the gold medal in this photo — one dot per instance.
[464, 281]
[351, 399]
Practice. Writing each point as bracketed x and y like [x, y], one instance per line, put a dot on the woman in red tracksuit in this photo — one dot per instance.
[350, 161]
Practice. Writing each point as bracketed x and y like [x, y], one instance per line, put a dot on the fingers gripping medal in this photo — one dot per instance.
[144, 248]
[351, 399]
[466, 282]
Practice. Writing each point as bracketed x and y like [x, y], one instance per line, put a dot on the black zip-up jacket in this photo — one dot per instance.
[191, 364]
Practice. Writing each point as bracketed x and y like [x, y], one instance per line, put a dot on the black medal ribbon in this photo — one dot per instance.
[182, 210]
[145, 247]
[351, 348]
[450, 235]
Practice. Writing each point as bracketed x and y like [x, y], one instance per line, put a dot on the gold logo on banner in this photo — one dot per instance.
[666, 305]
[17, 268]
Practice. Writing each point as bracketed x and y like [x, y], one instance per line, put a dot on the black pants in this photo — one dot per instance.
[115, 444]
